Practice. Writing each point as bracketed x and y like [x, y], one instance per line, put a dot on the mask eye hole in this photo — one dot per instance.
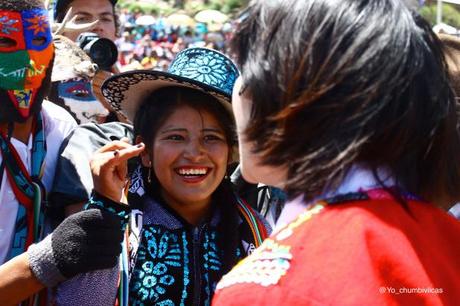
[6, 42]
[38, 41]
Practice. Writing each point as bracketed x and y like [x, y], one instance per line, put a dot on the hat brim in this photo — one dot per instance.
[125, 91]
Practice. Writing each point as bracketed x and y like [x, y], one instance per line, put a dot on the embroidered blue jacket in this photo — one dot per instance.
[171, 262]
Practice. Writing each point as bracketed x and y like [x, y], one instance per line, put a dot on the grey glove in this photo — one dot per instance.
[86, 241]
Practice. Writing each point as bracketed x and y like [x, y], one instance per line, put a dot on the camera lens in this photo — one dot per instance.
[103, 52]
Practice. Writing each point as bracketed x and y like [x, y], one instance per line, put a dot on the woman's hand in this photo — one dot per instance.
[109, 168]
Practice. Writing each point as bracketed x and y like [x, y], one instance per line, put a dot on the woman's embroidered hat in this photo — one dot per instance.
[200, 68]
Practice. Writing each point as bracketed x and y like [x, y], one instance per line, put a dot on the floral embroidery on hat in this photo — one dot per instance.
[205, 66]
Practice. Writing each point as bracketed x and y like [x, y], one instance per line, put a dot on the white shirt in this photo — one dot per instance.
[57, 123]
[455, 211]
[359, 178]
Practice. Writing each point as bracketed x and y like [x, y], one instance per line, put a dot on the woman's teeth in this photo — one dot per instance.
[188, 172]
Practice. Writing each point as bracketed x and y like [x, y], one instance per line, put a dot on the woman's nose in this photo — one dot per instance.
[194, 150]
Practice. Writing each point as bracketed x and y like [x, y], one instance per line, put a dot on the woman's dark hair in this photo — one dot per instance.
[154, 111]
[334, 83]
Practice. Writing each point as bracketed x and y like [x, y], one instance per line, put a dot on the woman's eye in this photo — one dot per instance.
[175, 137]
[213, 138]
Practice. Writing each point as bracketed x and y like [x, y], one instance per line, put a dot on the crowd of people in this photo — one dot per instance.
[318, 164]
[155, 45]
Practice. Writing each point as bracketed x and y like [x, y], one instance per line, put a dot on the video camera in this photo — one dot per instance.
[102, 51]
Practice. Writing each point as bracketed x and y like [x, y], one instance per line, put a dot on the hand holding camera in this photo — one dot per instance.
[102, 51]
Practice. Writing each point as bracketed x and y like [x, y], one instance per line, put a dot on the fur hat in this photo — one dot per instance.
[71, 61]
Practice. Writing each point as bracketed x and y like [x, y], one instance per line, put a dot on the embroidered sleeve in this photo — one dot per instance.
[101, 202]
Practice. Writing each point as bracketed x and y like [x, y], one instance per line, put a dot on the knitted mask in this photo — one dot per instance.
[26, 53]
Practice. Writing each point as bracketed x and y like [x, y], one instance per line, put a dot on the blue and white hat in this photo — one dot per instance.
[203, 69]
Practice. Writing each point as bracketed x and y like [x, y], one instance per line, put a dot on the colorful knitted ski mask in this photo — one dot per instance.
[26, 52]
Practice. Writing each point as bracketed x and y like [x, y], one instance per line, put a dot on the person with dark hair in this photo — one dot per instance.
[187, 227]
[88, 11]
[31, 132]
[347, 106]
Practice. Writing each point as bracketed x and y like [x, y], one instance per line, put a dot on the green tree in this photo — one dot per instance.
[450, 14]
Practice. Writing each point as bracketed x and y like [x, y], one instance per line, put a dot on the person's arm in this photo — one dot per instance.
[109, 171]
[17, 282]
[86, 241]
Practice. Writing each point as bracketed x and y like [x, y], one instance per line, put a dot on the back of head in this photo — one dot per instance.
[340, 82]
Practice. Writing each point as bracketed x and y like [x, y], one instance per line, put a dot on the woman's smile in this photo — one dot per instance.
[190, 156]
[193, 174]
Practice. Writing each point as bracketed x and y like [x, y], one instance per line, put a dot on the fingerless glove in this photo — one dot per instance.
[85, 241]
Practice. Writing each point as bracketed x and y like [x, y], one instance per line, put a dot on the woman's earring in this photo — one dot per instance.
[149, 176]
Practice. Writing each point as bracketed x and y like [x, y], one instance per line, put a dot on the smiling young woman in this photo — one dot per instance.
[190, 149]
[188, 228]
